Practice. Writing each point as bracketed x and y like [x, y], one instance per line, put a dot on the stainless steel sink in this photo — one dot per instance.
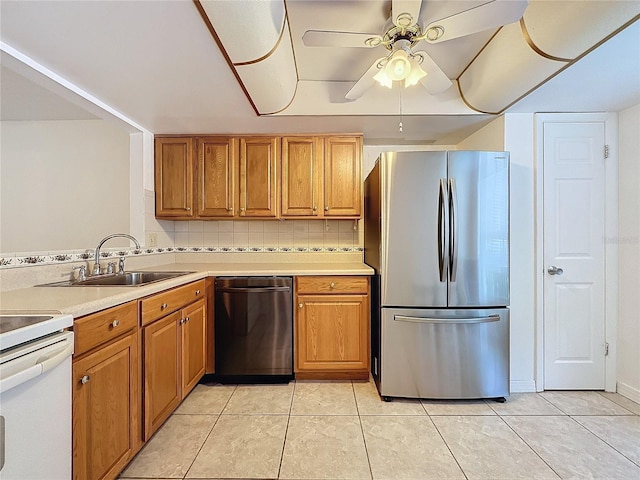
[128, 279]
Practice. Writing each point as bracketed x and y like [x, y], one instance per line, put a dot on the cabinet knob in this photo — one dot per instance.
[115, 323]
[163, 306]
[186, 319]
[315, 209]
[332, 285]
[181, 321]
[301, 305]
[197, 292]
[242, 209]
[188, 209]
[85, 379]
[326, 209]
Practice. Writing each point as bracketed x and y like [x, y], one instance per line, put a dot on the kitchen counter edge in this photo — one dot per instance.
[81, 301]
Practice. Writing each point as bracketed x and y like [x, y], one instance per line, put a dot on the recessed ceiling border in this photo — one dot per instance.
[535, 48]
[213, 33]
[562, 69]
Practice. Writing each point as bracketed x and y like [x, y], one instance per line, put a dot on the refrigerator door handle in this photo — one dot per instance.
[449, 320]
[441, 232]
[453, 231]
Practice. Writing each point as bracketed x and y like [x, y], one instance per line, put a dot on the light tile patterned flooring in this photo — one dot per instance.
[342, 430]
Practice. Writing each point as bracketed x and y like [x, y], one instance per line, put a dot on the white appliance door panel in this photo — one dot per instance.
[413, 270]
[37, 427]
[478, 195]
[447, 354]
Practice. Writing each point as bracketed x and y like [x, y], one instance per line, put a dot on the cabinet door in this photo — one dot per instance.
[332, 333]
[194, 344]
[259, 157]
[216, 176]
[162, 388]
[174, 177]
[106, 414]
[302, 159]
[342, 176]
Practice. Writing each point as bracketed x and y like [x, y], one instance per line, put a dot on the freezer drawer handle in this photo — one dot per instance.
[449, 320]
[252, 289]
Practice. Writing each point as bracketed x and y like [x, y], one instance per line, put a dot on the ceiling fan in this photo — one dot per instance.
[404, 31]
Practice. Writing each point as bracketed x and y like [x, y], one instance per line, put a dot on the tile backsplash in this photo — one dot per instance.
[267, 235]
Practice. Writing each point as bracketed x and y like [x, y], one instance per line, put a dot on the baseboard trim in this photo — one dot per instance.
[628, 391]
[522, 386]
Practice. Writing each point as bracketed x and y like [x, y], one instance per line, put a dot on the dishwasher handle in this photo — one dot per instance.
[449, 320]
[252, 289]
[45, 362]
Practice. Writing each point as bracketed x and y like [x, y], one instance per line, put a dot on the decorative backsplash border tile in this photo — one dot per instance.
[18, 260]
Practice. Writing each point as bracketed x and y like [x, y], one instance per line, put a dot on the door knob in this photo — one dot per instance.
[553, 270]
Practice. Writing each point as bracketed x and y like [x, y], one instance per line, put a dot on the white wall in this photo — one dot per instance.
[491, 137]
[519, 140]
[629, 252]
[64, 184]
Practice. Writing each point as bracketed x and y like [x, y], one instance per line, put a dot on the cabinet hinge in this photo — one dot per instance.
[606, 151]
[606, 349]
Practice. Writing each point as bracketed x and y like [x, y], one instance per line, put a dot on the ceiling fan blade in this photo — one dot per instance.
[400, 8]
[492, 14]
[436, 80]
[365, 82]
[322, 38]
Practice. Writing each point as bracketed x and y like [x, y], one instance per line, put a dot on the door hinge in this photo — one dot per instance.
[606, 349]
[606, 151]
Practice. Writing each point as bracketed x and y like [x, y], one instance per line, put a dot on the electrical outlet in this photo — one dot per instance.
[152, 239]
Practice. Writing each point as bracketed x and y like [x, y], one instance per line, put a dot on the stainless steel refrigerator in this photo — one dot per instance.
[437, 235]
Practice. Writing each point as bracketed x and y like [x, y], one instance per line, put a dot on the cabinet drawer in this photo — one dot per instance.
[159, 305]
[332, 284]
[101, 327]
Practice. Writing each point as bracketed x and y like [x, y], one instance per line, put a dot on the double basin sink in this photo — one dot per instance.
[127, 279]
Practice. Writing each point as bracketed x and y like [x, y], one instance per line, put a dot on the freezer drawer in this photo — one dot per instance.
[442, 353]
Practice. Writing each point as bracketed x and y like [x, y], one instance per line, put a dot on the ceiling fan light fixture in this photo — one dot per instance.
[399, 66]
[382, 78]
[415, 75]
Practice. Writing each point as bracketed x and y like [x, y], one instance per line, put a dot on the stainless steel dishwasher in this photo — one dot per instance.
[253, 329]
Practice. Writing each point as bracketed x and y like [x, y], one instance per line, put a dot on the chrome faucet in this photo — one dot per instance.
[96, 264]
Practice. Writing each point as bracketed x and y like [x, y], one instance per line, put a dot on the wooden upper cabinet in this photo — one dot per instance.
[302, 159]
[259, 158]
[216, 176]
[174, 177]
[342, 176]
[223, 177]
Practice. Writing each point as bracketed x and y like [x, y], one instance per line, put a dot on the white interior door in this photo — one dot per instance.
[574, 255]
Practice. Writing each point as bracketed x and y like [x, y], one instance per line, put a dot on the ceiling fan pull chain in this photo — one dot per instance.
[400, 124]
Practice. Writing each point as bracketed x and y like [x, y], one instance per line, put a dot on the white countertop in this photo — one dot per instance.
[79, 301]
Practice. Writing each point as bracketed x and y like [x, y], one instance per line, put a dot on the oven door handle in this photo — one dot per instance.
[252, 289]
[45, 362]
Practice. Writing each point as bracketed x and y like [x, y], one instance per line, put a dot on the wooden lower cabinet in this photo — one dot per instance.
[106, 409]
[332, 329]
[174, 362]
[194, 345]
[161, 371]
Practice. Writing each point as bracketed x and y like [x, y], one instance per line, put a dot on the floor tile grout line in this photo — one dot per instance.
[530, 447]
[364, 438]
[600, 438]
[286, 430]
[551, 403]
[447, 445]
[602, 394]
[210, 432]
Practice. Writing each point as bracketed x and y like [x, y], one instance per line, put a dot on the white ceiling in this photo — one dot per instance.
[155, 63]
